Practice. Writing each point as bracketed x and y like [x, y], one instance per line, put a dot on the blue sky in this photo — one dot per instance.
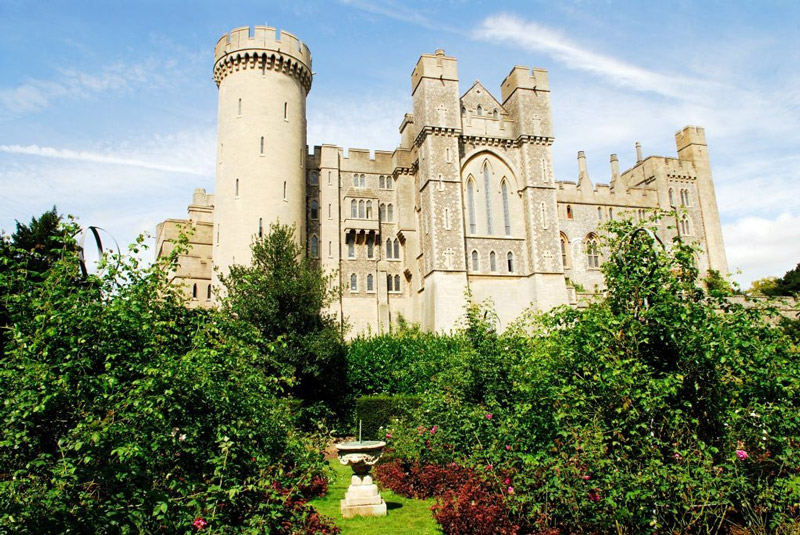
[108, 109]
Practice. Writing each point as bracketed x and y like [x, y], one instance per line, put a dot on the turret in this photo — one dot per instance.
[526, 98]
[614, 171]
[583, 173]
[263, 77]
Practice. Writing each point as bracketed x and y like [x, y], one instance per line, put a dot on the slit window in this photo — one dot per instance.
[261, 146]
[510, 262]
[492, 261]
[488, 199]
[260, 227]
[471, 205]
[194, 291]
[370, 283]
[506, 215]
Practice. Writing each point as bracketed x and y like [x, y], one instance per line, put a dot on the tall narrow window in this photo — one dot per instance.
[330, 248]
[369, 209]
[543, 214]
[329, 211]
[492, 261]
[488, 199]
[475, 263]
[382, 212]
[564, 252]
[351, 246]
[389, 182]
[353, 209]
[671, 198]
[506, 215]
[355, 181]
[510, 262]
[353, 282]
[447, 155]
[396, 249]
[370, 283]
[240, 107]
[361, 209]
[611, 213]
[194, 291]
[314, 209]
[262, 145]
[362, 182]
[388, 248]
[447, 219]
[592, 252]
[284, 190]
[208, 292]
[480, 110]
[569, 211]
[314, 246]
[314, 179]
[237, 187]
[382, 182]
[389, 283]
[285, 111]
[370, 246]
[495, 114]
[390, 213]
[260, 227]
[471, 205]
[329, 178]
[397, 283]
[599, 214]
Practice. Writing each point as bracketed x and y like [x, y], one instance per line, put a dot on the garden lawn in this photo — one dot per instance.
[405, 516]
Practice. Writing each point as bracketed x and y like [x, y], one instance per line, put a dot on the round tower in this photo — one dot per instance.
[263, 78]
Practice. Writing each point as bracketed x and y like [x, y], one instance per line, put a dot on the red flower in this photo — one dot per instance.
[199, 523]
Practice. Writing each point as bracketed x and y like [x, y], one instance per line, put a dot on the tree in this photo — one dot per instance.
[284, 294]
[789, 284]
[764, 287]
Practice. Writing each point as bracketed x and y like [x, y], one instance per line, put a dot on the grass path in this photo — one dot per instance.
[404, 516]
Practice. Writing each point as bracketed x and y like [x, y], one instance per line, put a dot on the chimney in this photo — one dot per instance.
[638, 152]
[614, 168]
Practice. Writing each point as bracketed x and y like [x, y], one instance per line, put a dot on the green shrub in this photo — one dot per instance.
[376, 412]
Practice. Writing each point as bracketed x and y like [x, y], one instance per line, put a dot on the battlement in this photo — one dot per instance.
[523, 78]
[690, 135]
[437, 65]
[262, 47]
[362, 160]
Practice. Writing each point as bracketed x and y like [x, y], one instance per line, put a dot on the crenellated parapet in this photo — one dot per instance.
[263, 49]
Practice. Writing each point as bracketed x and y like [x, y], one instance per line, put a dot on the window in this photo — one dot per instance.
[475, 263]
[362, 182]
[208, 292]
[592, 252]
[240, 107]
[382, 182]
[543, 214]
[370, 246]
[480, 110]
[492, 261]
[370, 283]
[237, 187]
[389, 182]
[506, 215]
[396, 249]
[495, 114]
[611, 213]
[314, 246]
[361, 209]
[262, 145]
[369, 209]
[382, 212]
[685, 227]
[314, 209]
[397, 283]
[353, 209]
[351, 246]
[671, 198]
[390, 213]
[355, 181]
[260, 227]
[684, 197]
[510, 262]
[194, 291]
[353, 282]
[463, 111]
[284, 190]
[329, 210]
[389, 283]
[569, 211]
[565, 252]
[314, 179]
[285, 111]
[599, 214]
[447, 219]
[471, 205]
[447, 155]
[488, 199]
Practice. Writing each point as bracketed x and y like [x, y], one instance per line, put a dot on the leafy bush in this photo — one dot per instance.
[376, 412]
[126, 412]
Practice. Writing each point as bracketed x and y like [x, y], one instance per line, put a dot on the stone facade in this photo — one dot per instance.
[466, 204]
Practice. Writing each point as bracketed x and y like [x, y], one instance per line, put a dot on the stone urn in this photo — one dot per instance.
[362, 497]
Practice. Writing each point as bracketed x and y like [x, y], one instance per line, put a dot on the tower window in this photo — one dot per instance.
[370, 246]
[495, 114]
[396, 249]
[353, 209]
[592, 252]
[314, 209]
[284, 190]
[488, 199]
[285, 111]
[351, 246]
[239, 112]
[314, 246]
[599, 214]
[361, 209]
[447, 219]
[382, 182]
[369, 209]
[506, 215]
[671, 198]
[262, 145]
[362, 182]
[480, 110]
[397, 283]
[314, 179]
[388, 248]
[260, 227]
[475, 263]
[194, 291]
[492, 261]
[565, 252]
[569, 211]
[611, 213]
[353, 282]
[471, 205]
[510, 261]
[355, 181]
[237, 187]
[208, 292]
[390, 213]
[389, 283]
[370, 283]
[382, 212]
[389, 182]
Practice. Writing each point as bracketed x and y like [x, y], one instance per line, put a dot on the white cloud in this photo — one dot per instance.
[762, 247]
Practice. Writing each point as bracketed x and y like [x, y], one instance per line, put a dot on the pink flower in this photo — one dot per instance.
[742, 455]
[489, 467]
[253, 459]
[453, 464]
[488, 415]
[507, 481]
[199, 523]
[677, 456]
[420, 430]
[511, 490]
[594, 496]
[587, 477]
[508, 448]
[434, 429]
[388, 435]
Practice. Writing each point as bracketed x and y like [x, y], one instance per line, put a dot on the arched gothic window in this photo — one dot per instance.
[314, 246]
[314, 209]
[671, 198]
[382, 212]
[353, 209]
[362, 182]
[361, 209]
[592, 252]
[471, 205]
[506, 214]
[353, 282]
[396, 249]
[569, 211]
[388, 248]
[495, 114]
[510, 262]
[369, 209]
[381, 182]
[565, 252]
[685, 227]
[370, 283]
[390, 213]
[397, 283]
[355, 181]
[611, 213]
[488, 199]
[351, 246]
[599, 214]
[479, 110]
[370, 246]
[492, 261]
[475, 262]
[389, 286]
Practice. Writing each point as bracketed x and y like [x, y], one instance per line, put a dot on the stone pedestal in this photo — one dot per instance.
[362, 499]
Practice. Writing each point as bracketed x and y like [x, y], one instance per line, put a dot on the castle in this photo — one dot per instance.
[467, 202]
